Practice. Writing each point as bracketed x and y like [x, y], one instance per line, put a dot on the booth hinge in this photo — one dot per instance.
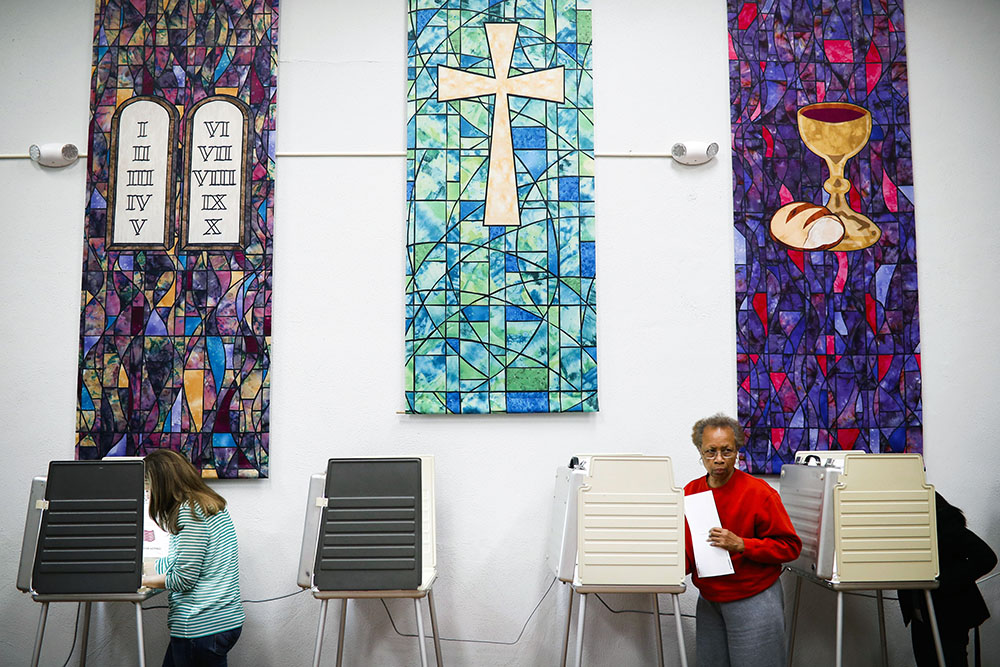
[322, 501]
[41, 504]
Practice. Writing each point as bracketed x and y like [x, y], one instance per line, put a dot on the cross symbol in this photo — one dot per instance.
[543, 84]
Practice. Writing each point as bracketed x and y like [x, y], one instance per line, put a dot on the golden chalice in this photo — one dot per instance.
[837, 131]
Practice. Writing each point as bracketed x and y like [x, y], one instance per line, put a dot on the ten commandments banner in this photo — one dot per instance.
[176, 305]
[828, 344]
[500, 292]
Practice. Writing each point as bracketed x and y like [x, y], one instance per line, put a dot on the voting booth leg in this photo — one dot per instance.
[341, 632]
[38, 635]
[569, 624]
[659, 635]
[85, 634]
[420, 632]
[580, 617]
[881, 628]
[434, 630]
[138, 634]
[680, 630]
[795, 619]
[319, 633]
[934, 627]
[840, 629]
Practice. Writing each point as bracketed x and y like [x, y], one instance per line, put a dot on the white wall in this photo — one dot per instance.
[666, 327]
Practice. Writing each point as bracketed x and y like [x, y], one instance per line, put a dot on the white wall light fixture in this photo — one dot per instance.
[54, 155]
[694, 152]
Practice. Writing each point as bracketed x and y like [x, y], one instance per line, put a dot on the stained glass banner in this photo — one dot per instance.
[500, 293]
[828, 344]
[176, 305]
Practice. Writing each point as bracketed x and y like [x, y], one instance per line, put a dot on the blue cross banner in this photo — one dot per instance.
[501, 307]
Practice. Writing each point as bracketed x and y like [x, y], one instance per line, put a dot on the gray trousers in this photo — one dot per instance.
[744, 633]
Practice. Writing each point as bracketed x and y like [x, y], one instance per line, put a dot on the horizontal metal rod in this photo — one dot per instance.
[350, 154]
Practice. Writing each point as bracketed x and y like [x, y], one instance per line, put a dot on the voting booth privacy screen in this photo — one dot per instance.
[369, 532]
[90, 535]
[617, 519]
[862, 518]
[29, 540]
[630, 524]
[369, 525]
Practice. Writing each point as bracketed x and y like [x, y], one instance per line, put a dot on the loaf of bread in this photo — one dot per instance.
[806, 226]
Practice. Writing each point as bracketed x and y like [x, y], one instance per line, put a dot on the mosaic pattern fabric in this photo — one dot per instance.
[500, 295]
[175, 339]
[828, 345]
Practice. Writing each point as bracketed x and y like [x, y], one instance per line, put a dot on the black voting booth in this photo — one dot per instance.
[370, 530]
[89, 540]
[373, 539]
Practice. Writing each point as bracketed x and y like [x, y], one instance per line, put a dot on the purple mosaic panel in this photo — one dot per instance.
[175, 341]
[828, 344]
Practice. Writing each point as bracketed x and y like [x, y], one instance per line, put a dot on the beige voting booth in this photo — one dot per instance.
[628, 525]
[867, 522]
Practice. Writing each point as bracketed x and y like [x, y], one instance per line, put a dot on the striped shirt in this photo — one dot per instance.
[202, 574]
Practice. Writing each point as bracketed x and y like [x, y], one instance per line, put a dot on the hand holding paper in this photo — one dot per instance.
[702, 516]
[726, 539]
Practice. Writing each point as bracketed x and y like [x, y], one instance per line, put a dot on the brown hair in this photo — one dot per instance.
[172, 481]
[718, 420]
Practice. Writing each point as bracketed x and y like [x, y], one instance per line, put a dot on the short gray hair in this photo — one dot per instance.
[718, 420]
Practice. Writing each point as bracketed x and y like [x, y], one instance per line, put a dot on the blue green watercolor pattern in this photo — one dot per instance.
[500, 319]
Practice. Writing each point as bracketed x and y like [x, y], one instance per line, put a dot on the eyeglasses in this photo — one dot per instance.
[724, 453]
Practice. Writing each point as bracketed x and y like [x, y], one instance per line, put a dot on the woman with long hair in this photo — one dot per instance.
[201, 568]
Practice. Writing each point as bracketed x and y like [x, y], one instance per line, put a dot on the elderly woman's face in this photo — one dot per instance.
[718, 450]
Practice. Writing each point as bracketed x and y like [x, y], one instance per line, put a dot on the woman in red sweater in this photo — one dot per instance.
[740, 616]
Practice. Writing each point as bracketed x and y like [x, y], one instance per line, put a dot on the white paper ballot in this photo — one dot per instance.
[155, 540]
[702, 516]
